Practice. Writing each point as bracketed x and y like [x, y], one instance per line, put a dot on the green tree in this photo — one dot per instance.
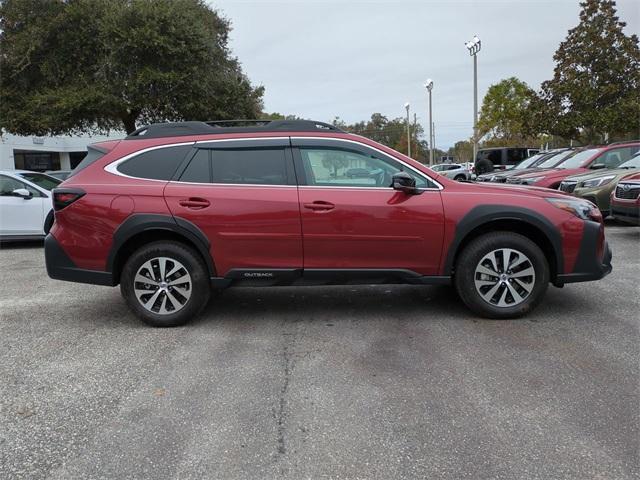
[594, 90]
[462, 150]
[392, 133]
[94, 65]
[503, 113]
[334, 161]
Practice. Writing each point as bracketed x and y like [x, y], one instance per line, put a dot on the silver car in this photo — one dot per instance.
[455, 171]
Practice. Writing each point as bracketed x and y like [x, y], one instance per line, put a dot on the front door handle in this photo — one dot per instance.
[194, 203]
[319, 206]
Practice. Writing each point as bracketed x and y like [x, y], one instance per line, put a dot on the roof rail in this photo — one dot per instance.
[175, 129]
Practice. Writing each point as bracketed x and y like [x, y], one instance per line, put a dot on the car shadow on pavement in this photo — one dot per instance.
[326, 303]
[18, 245]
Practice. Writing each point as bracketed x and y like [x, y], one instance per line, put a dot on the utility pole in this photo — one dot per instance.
[433, 138]
[429, 86]
[474, 47]
[415, 132]
[407, 106]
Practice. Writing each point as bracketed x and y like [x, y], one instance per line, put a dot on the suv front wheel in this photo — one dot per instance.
[165, 284]
[501, 275]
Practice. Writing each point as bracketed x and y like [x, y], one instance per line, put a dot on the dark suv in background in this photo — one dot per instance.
[501, 158]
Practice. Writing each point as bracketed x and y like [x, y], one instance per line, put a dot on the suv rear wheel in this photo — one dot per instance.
[165, 284]
[501, 275]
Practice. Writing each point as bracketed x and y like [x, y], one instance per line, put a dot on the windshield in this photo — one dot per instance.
[633, 162]
[556, 159]
[579, 158]
[42, 180]
[527, 162]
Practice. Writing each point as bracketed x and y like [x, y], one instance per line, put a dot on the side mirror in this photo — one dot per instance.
[404, 182]
[598, 166]
[22, 193]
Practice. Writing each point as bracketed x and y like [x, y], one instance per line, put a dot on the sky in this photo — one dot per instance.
[320, 59]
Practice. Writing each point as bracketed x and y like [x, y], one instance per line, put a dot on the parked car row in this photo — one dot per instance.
[591, 173]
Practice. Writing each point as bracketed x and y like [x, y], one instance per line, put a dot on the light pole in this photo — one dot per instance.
[406, 105]
[474, 47]
[429, 86]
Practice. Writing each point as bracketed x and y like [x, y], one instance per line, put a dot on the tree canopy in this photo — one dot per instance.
[594, 90]
[94, 65]
[503, 113]
[392, 133]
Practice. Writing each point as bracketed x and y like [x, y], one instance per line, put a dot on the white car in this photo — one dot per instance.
[26, 211]
[456, 171]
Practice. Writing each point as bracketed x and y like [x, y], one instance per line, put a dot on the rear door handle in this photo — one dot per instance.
[319, 206]
[194, 203]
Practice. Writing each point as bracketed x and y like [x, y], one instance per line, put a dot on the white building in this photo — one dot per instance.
[47, 153]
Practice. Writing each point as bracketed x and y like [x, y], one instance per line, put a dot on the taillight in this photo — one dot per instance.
[63, 197]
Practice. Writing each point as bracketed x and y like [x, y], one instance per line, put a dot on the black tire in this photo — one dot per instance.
[459, 178]
[471, 257]
[48, 222]
[194, 266]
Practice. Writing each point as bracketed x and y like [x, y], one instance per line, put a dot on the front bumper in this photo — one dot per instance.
[588, 266]
[61, 267]
[630, 214]
[599, 195]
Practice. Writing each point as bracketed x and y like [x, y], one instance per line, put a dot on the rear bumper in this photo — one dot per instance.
[630, 214]
[61, 267]
[588, 266]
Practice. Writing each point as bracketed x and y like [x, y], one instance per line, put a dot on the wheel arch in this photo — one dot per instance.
[491, 218]
[141, 229]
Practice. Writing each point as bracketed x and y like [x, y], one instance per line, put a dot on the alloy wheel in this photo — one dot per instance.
[162, 285]
[504, 277]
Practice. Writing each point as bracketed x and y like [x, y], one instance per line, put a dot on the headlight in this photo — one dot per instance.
[597, 182]
[531, 180]
[580, 208]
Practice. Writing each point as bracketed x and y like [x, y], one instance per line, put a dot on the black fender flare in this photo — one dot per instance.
[483, 214]
[143, 222]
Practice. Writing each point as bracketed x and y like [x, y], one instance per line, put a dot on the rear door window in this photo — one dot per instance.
[249, 166]
[199, 168]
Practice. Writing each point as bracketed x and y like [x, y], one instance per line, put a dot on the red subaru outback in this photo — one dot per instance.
[176, 209]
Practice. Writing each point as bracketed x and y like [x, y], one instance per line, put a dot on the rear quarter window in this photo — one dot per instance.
[158, 164]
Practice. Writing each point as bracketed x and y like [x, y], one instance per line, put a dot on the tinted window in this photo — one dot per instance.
[92, 155]
[43, 181]
[198, 170]
[335, 167]
[260, 166]
[495, 156]
[515, 155]
[158, 164]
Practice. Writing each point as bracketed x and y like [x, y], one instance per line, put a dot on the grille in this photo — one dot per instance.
[630, 193]
[568, 187]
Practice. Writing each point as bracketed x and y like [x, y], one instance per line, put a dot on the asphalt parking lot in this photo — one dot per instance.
[384, 382]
